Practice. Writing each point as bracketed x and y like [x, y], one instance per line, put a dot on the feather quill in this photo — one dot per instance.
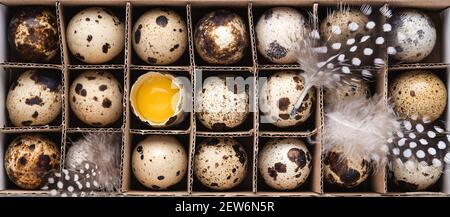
[361, 126]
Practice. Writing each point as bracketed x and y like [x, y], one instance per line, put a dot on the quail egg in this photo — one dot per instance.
[220, 163]
[34, 98]
[278, 96]
[414, 176]
[346, 171]
[418, 92]
[159, 161]
[342, 25]
[95, 35]
[96, 98]
[159, 99]
[221, 37]
[160, 37]
[284, 164]
[278, 33]
[413, 35]
[223, 103]
[33, 34]
[359, 88]
[29, 159]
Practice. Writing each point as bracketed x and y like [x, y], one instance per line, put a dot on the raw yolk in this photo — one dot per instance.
[156, 99]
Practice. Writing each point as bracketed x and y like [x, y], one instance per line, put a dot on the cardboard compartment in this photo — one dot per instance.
[133, 187]
[72, 121]
[305, 8]
[69, 9]
[6, 185]
[246, 187]
[243, 10]
[308, 188]
[248, 80]
[9, 75]
[139, 126]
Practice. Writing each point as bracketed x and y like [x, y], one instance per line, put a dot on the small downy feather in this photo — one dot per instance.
[361, 126]
[92, 164]
[330, 65]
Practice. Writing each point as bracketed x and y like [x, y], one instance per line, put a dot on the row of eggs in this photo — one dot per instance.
[96, 35]
[159, 162]
[158, 99]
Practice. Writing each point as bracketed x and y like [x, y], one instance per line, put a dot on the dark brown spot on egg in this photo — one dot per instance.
[412, 93]
[95, 98]
[235, 180]
[155, 187]
[239, 153]
[106, 103]
[174, 47]
[106, 47]
[79, 56]
[83, 92]
[44, 162]
[214, 184]
[90, 78]
[268, 14]
[160, 177]
[161, 21]
[99, 16]
[137, 34]
[89, 38]
[276, 51]
[283, 103]
[178, 173]
[88, 19]
[35, 114]
[151, 60]
[102, 87]
[32, 147]
[280, 167]
[284, 116]
[297, 156]
[34, 101]
[74, 99]
[23, 160]
[339, 165]
[49, 80]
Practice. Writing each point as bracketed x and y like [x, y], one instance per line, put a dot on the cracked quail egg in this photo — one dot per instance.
[29, 159]
[33, 34]
[418, 92]
[96, 98]
[221, 37]
[160, 37]
[278, 33]
[346, 171]
[159, 161]
[220, 163]
[34, 98]
[222, 105]
[284, 164]
[95, 35]
[278, 97]
[413, 35]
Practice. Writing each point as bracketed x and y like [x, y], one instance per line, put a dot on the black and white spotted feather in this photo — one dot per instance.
[329, 65]
[92, 164]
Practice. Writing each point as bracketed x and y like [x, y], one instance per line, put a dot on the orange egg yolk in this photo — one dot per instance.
[156, 99]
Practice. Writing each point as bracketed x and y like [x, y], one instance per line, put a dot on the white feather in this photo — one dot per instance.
[361, 126]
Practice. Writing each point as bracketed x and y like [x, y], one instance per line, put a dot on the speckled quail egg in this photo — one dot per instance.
[95, 35]
[34, 98]
[359, 88]
[342, 25]
[159, 161]
[96, 98]
[417, 157]
[418, 92]
[347, 171]
[278, 97]
[413, 35]
[33, 34]
[160, 37]
[220, 163]
[221, 37]
[284, 164]
[222, 105]
[29, 159]
[278, 33]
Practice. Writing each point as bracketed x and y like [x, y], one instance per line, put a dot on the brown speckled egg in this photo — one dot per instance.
[160, 37]
[414, 176]
[284, 164]
[278, 32]
[33, 34]
[96, 98]
[345, 171]
[221, 38]
[418, 92]
[220, 163]
[222, 105]
[413, 35]
[337, 29]
[95, 35]
[34, 98]
[278, 97]
[159, 161]
[347, 90]
[29, 159]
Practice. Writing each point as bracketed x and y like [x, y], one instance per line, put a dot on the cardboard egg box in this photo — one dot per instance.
[252, 134]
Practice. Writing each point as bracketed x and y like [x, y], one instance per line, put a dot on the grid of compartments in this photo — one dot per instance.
[127, 67]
